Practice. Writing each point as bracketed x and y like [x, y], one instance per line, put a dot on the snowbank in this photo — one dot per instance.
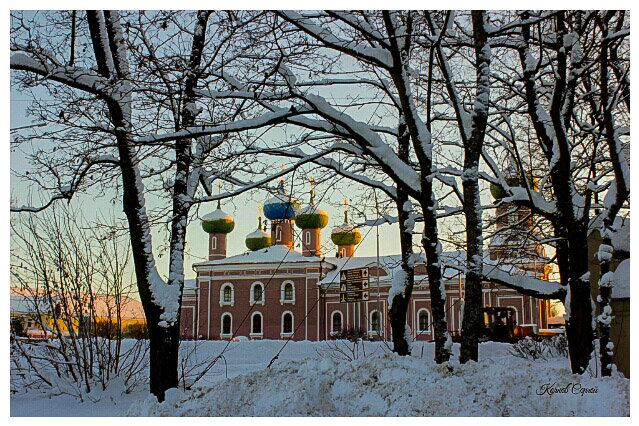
[384, 384]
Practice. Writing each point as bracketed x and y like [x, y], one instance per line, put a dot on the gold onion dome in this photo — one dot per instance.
[218, 222]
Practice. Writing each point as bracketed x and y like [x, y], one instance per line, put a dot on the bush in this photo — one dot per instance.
[540, 348]
[136, 331]
[351, 334]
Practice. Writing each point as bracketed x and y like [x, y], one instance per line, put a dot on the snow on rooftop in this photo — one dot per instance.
[388, 263]
[273, 254]
[258, 233]
[190, 284]
[217, 215]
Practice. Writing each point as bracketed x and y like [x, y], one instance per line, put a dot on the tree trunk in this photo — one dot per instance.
[397, 311]
[163, 354]
[472, 319]
[399, 306]
[432, 248]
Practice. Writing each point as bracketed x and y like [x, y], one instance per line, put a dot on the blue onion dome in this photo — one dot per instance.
[311, 216]
[259, 238]
[218, 222]
[281, 206]
[346, 234]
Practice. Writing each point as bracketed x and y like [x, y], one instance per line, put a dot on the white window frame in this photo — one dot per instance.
[278, 233]
[379, 323]
[213, 243]
[282, 333]
[427, 330]
[342, 252]
[333, 331]
[307, 237]
[516, 314]
[222, 287]
[282, 293]
[252, 301]
[222, 334]
[261, 333]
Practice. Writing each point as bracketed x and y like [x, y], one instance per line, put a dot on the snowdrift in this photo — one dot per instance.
[388, 385]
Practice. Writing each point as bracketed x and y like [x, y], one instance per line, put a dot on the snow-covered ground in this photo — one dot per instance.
[318, 379]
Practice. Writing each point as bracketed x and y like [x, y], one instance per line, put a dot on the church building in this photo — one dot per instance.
[273, 291]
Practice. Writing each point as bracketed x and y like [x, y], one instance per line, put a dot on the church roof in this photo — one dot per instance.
[272, 254]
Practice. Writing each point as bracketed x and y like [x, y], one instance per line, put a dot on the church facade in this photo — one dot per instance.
[276, 292]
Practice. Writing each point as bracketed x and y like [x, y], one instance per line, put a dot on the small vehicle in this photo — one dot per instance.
[500, 325]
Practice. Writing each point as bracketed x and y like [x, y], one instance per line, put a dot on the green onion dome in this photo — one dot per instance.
[346, 234]
[498, 193]
[218, 222]
[311, 216]
[258, 239]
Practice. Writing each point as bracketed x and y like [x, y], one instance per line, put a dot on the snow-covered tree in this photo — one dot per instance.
[123, 111]
[563, 81]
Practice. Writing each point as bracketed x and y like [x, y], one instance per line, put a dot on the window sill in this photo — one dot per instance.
[253, 303]
[289, 302]
[256, 335]
[286, 335]
[227, 304]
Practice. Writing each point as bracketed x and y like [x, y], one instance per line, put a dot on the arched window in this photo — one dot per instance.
[278, 233]
[287, 323]
[307, 237]
[257, 293]
[374, 325]
[336, 322]
[256, 324]
[287, 292]
[516, 314]
[213, 243]
[342, 253]
[227, 322]
[423, 320]
[227, 294]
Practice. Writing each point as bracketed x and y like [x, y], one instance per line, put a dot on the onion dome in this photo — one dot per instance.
[259, 238]
[311, 216]
[281, 206]
[346, 234]
[499, 193]
[218, 222]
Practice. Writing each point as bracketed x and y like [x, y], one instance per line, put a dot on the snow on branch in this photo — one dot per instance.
[524, 284]
[78, 78]
[374, 55]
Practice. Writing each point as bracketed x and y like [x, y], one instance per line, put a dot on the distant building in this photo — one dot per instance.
[275, 292]
[37, 314]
